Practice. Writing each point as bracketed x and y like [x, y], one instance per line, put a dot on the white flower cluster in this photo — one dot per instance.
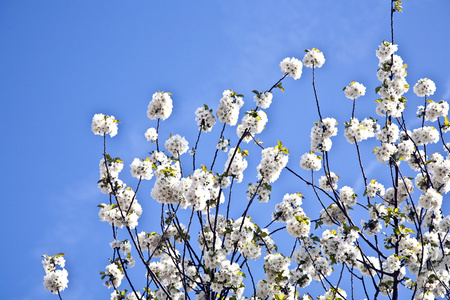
[298, 225]
[288, 207]
[404, 190]
[167, 271]
[392, 74]
[417, 159]
[405, 147]
[263, 100]
[332, 214]
[292, 66]
[152, 242]
[118, 295]
[203, 188]
[392, 264]
[388, 134]
[261, 237]
[276, 267]
[347, 195]
[272, 163]
[229, 276]
[168, 187]
[385, 152]
[311, 161]
[424, 87]
[141, 169]
[270, 290]
[359, 131]
[306, 259]
[354, 90]
[253, 122]
[321, 133]
[114, 276]
[374, 188]
[439, 169]
[228, 110]
[160, 107]
[377, 210]
[340, 245]
[388, 149]
[313, 58]
[311, 265]
[176, 145]
[55, 280]
[385, 50]
[214, 258]
[431, 199]
[125, 213]
[371, 227]
[333, 293]
[434, 272]
[242, 233]
[113, 167]
[435, 110]
[263, 192]
[151, 135]
[109, 184]
[102, 125]
[238, 164]
[425, 135]
[329, 181]
[205, 118]
[124, 246]
[222, 144]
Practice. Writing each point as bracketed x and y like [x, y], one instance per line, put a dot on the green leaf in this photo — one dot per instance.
[280, 87]
[319, 224]
[446, 122]
[355, 228]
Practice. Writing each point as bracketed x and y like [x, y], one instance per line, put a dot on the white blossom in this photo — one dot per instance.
[310, 161]
[205, 118]
[141, 169]
[151, 135]
[354, 90]
[102, 125]
[385, 50]
[160, 107]
[176, 145]
[228, 110]
[292, 66]
[424, 87]
[263, 100]
[313, 57]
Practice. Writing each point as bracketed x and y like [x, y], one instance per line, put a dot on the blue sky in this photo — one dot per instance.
[64, 61]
